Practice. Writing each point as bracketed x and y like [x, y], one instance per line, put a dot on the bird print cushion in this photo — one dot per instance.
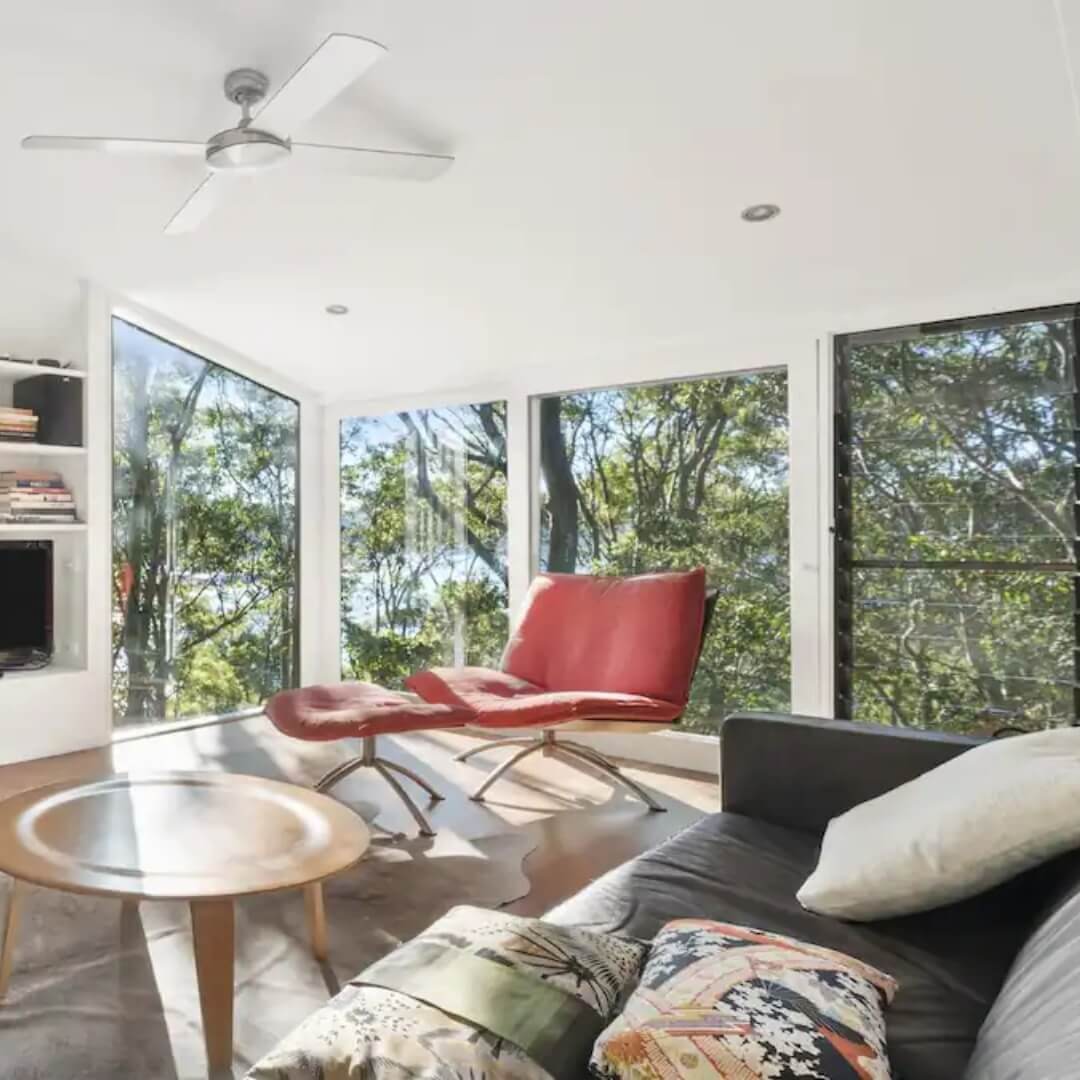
[479, 994]
[717, 1000]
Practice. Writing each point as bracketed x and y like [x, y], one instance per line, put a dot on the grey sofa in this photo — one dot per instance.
[989, 988]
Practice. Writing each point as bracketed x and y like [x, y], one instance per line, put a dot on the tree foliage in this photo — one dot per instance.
[635, 480]
[963, 454]
[961, 509]
[423, 540]
[204, 534]
[673, 476]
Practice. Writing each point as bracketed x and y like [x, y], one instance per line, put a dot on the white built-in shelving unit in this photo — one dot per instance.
[33, 449]
[45, 529]
[65, 706]
[69, 539]
[15, 369]
[56, 669]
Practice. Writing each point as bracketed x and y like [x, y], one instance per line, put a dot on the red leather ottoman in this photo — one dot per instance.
[357, 710]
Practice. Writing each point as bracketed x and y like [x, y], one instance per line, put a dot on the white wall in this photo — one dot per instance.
[40, 306]
[43, 312]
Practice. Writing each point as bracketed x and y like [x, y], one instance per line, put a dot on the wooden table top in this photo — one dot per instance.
[176, 836]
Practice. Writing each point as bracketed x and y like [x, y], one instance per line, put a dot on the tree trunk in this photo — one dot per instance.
[561, 487]
[444, 513]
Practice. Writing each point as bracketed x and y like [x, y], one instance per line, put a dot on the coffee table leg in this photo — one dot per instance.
[7, 942]
[212, 928]
[316, 918]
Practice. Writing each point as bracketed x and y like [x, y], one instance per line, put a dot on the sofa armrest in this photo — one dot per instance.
[801, 771]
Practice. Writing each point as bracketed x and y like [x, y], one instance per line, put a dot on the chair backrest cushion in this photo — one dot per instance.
[630, 635]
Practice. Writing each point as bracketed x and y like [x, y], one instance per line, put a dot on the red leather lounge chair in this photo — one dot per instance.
[588, 654]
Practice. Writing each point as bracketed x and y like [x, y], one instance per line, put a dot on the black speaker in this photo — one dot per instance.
[57, 401]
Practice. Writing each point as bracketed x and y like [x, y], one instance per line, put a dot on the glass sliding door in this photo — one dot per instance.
[956, 523]
[205, 546]
[675, 475]
[423, 540]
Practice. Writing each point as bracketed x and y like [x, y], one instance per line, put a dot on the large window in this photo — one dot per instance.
[672, 476]
[423, 540]
[205, 566]
[956, 524]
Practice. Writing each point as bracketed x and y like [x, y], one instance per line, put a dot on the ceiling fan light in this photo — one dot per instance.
[245, 150]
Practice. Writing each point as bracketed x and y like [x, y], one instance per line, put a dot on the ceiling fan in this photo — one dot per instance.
[262, 138]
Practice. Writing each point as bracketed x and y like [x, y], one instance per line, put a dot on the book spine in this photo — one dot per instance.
[26, 511]
[40, 500]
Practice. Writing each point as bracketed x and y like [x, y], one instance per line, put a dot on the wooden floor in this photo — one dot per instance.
[572, 848]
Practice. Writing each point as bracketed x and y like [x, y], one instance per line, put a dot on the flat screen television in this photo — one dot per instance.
[26, 604]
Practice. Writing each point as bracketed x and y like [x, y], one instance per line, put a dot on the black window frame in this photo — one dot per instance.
[841, 529]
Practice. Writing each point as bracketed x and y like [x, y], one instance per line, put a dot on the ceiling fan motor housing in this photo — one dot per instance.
[245, 149]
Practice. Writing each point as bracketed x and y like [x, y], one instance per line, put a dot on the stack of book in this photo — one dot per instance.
[30, 496]
[17, 425]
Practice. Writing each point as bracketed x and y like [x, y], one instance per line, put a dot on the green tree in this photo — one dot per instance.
[423, 520]
[671, 476]
[204, 534]
[963, 458]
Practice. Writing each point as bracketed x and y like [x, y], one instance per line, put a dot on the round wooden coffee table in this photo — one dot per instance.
[205, 838]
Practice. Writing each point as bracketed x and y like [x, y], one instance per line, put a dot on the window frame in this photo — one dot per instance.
[630, 746]
[840, 496]
[115, 310]
[804, 356]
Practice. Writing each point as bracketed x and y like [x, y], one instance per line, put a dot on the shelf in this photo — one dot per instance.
[23, 371]
[36, 528]
[54, 670]
[34, 449]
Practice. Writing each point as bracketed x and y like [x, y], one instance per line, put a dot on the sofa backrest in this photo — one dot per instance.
[799, 772]
[628, 635]
[802, 771]
[1033, 1029]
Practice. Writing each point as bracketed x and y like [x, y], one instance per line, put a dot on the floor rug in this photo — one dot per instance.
[103, 991]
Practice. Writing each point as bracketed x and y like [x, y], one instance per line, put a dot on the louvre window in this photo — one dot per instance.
[956, 523]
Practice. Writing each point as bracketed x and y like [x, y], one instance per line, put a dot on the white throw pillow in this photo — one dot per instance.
[972, 823]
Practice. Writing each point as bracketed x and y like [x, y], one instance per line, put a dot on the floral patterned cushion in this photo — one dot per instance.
[717, 1000]
[479, 994]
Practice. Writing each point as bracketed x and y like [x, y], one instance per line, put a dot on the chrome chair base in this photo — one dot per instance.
[386, 769]
[547, 743]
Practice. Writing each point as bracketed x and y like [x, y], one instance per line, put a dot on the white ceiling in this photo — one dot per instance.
[921, 150]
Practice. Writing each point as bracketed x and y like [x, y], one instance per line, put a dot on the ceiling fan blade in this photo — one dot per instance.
[339, 61]
[123, 147]
[200, 204]
[364, 161]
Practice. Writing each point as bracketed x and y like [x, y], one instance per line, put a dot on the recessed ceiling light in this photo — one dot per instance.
[760, 212]
[336, 309]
